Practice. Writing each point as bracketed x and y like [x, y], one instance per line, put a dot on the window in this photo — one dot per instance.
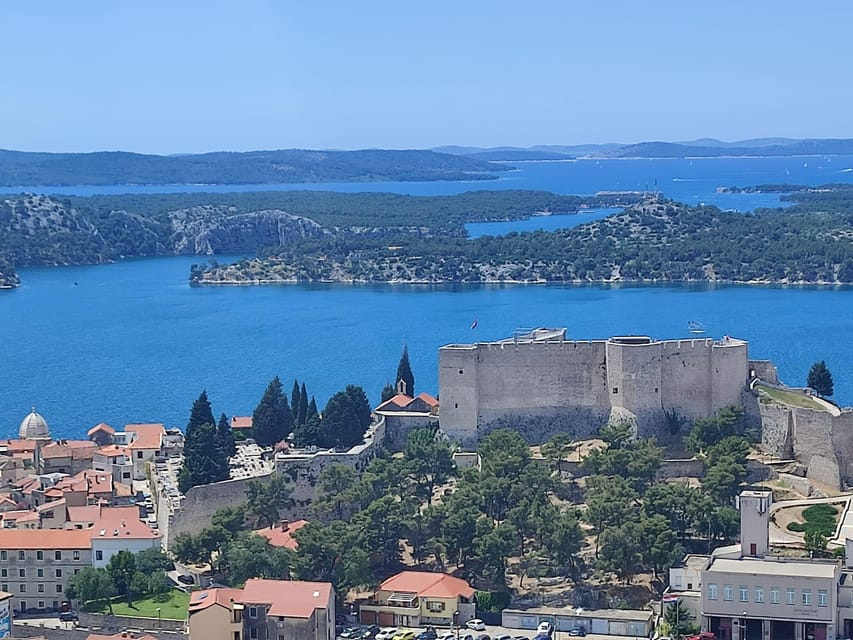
[4, 586]
[76, 555]
[253, 633]
[790, 593]
[40, 573]
[22, 555]
[821, 597]
[99, 555]
[41, 588]
[2, 555]
[22, 573]
[727, 592]
[22, 588]
[41, 604]
[76, 571]
[253, 612]
[236, 635]
[59, 588]
[4, 573]
[435, 606]
[712, 592]
[759, 594]
[744, 593]
[615, 390]
[774, 595]
[57, 555]
[690, 586]
[139, 455]
[39, 555]
[807, 597]
[59, 573]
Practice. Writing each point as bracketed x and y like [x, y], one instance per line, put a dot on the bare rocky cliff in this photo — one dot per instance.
[211, 230]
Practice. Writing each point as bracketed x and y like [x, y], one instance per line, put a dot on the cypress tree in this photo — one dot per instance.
[226, 436]
[404, 373]
[360, 405]
[340, 424]
[388, 392]
[201, 412]
[303, 405]
[312, 410]
[272, 419]
[295, 399]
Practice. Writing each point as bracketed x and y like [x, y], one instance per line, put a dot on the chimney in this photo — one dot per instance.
[285, 525]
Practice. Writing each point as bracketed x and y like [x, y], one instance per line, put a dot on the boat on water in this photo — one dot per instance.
[695, 327]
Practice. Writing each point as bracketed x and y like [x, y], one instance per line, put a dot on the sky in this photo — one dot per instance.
[162, 76]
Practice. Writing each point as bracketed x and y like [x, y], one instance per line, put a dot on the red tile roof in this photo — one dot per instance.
[288, 598]
[103, 426]
[111, 451]
[76, 449]
[18, 446]
[401, 400]
[428, 399]
[200, 600]
[282, 537]
[241, 422]
[23, 515]
[148, 436]
[126, 521]
[25, 539]
[84, 514]
[428, 584]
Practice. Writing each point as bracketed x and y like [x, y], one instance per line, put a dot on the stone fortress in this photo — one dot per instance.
[540, 383]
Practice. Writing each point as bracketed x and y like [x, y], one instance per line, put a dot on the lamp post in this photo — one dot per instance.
[456, 623]
[158, 619]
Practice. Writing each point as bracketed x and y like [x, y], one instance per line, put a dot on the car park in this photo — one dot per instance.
[476, 624]
[483, 636]
[367, 633]
[350, 632]
[545, 628]
[387, 633]
[503, 637]
[577, 631]
[429, 634]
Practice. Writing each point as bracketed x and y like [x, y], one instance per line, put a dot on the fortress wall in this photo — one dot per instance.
[777, 428]
[842, 443]
[686, 377]
[634, 376]
[813, 446]
[542, 387]
[457, 384]
[729, 373]
[765, 370]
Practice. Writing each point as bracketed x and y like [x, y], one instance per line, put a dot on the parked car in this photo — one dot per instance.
[476, 624]
[520, 638]
[580, 632]
[69, 616]
[545, 628]
[404, 635]
[186, 579]
[350, 632]
[504, 637]
[447, 636]
[483, 636]
[368, 633]
[429, 634]
[387, 633]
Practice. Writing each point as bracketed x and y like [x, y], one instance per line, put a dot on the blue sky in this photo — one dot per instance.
[188, 76]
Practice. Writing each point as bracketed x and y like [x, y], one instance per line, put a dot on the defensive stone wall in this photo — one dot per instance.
[540, 386]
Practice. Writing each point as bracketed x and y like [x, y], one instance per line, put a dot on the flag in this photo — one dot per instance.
[670, 598]
[474, 324]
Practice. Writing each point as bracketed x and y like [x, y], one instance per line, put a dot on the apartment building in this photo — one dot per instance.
[264, 610]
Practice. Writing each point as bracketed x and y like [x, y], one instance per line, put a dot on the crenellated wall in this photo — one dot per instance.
[540, 386]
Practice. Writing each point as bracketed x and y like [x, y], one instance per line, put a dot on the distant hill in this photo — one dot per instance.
[712, 150]
[19, 168]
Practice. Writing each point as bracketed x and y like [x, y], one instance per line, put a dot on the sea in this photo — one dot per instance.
[133, 342]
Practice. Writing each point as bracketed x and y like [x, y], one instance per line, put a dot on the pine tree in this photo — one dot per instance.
[360, 404]
[820, 379]
[295, 399]
[404, 373]
[303, 405]
[201, 412]
[226, 436]
[272, 419]
[341, 427]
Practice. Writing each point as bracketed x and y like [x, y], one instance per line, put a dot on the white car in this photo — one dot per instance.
[476, 624]
[545, 627]
[387, 633]
[447, 636]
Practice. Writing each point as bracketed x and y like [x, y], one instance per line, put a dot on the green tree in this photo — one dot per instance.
[91, 585]
[204, 461]
[159, 586]
[232, 519]
[679, 620]
[296, 402]
[660, 544]
[388, 392]
[265, 500]
[404, 373]
[312, 409]
[201, 412]
[304, 406]
[335, 496]
[153, 560]
[249, 556]
[429, 460]
[225, 437]
[617, 434]
[138, 586]
[610, 501]
[820, 379]
[187, 549]
[121, 569]
[815, 541]
[341, 425]
[708, 431]
[563, 539]
[272, 419]
[557, 448]
[621, 551]
[360, 405]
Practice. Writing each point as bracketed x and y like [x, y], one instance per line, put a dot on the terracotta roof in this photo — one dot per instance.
[126, 521]
[241, 422]
[288, 598]
[111, 451]
[281, 537]
[400, 400]
[6, 500]
[54, 492]
[76, 449]
[103, 426]
[88, 513]
[47, 506]
[23, 515]
[18, 446]
[200, 600]
[148, 436]
[45, 539]
[428, 584]
[428, 399]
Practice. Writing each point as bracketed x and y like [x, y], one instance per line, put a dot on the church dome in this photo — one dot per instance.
[34, 427]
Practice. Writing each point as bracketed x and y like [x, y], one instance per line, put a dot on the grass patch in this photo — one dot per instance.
[791, 398]
[818, 517]
[172, 607]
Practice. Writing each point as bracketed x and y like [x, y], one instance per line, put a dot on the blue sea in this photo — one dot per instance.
[132, 342]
